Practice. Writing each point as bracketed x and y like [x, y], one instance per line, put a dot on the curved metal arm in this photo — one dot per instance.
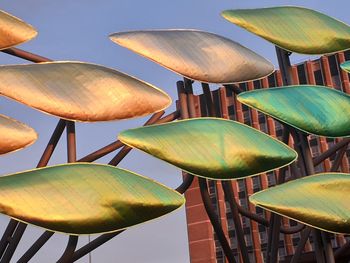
[186, 183]
[30, 253]
[299, 250]
[14, 241]
[332, 150]
[234, 88]
[227, 187]
[84, 250]
[265, 222]
[214, 220]
[69, 251]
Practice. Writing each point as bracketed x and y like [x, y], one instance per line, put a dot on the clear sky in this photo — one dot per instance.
[78, 30]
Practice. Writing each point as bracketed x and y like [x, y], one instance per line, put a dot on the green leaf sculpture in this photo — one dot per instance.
[320, 201]
[211, 148]
[81, 91]
[314, 109]
[15, 135]
[84, 198]
[292, 28]
[198, 55]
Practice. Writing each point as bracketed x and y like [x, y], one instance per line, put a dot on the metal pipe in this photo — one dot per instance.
[275, 220]
[84, 250]
[102, 152]
[67, 256]
[204, 187]
[284, 64]
[338, 159]
[168, 118]
[106, 237]
[340, 251]
[120, 155]
[118, 144]
[190, 98]
[326, 240]
[214, 220]
[71, 142]
[266, 223]
[126, 149]
[38, 244]
[304, 237]
[25, 55]
[13, 242]
[186, 183]
[183, 114]
[336, 163]
[234, 88]
[72, 157]
[285, 67]
[51, 146]
[209, 100]
[331, 150]
[183, 108]
[11, 227]
[301, 139]
[227, 187]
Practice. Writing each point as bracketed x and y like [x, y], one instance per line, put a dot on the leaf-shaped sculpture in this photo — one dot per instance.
[296, 29]
[314, 109]
[14, 31]
[14, 135]
[211, 148]
[346, 66]
[81, 91]
[196, 54]
[84, 198]
[319, 200]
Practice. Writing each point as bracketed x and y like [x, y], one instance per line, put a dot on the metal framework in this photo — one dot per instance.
[189, 107]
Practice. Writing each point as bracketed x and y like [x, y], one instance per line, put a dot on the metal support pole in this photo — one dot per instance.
[46, 235]
[19, 227]
[67, 256]
[84, 250]
[304, 237]
[275, 220]
[126, 149]
[302, 142]
[102, 152]
[331, 151]
[261, 220]
[285, 67]
[106, 237]
[307, 231]
[38, 244]
[14, 241]
[11, 227]
[214, 220]
[227, 187]
[25, 55]
[72, 157]
[203, 185]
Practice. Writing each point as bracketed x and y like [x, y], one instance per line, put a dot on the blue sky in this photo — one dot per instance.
[78, 30]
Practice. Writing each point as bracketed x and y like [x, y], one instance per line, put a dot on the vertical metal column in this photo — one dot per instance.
[72, 157]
